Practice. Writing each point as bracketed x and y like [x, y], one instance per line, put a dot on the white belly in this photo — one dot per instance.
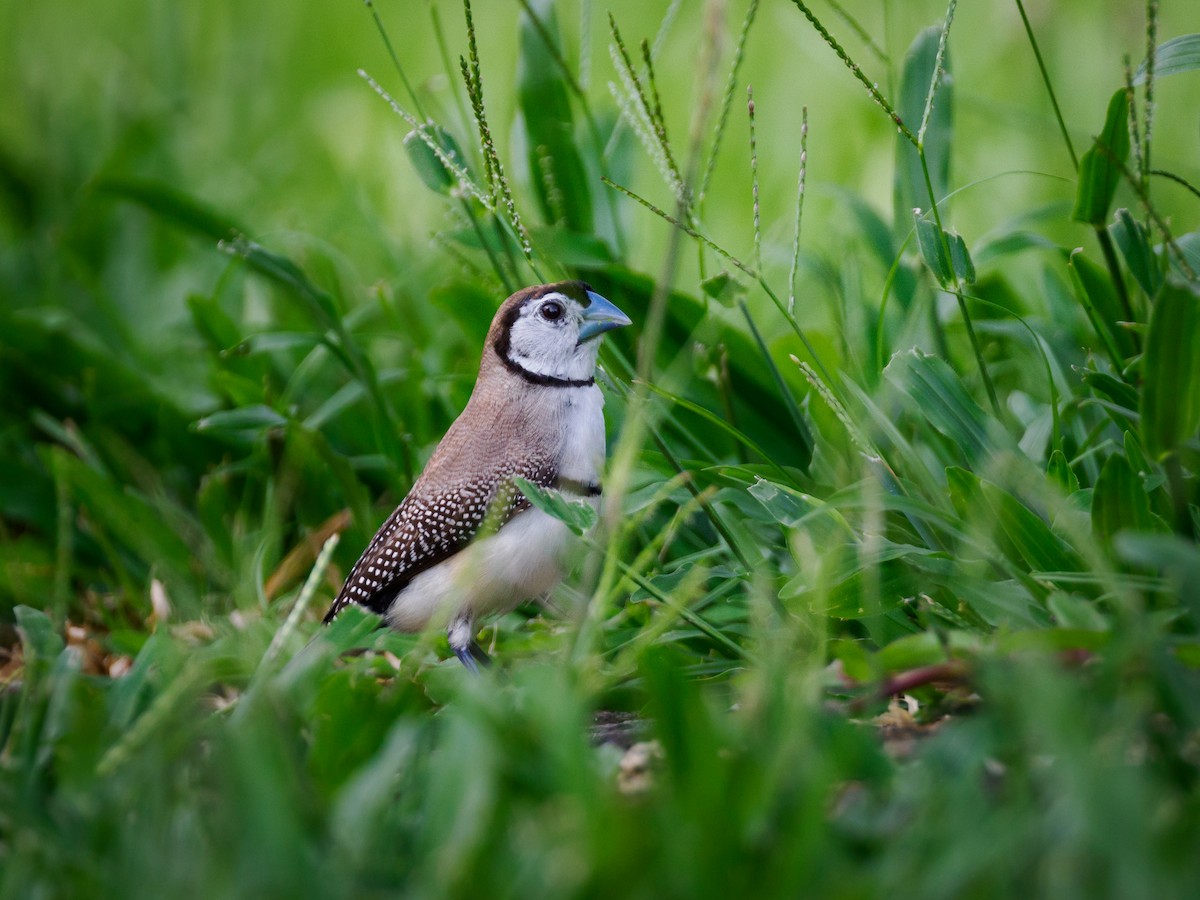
[524, 560]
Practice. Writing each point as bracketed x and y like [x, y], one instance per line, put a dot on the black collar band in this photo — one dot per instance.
[582, 488]
[538, 378]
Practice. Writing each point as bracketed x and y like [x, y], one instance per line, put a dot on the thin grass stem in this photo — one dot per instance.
[408, 88]
[793, 272]
[726, 101]
[1037, 53]
[872, 88]
[1148, 95]
[841, 12]
[754, 181]
[937, 78]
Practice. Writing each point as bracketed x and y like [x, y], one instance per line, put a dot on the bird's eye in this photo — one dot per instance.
[552, 311]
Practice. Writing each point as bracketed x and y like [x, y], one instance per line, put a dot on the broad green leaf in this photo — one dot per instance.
[1176, 559]
[246, 424]
[724, 288]
[1100, 167]
[786, 506]
[271, 341]
[910, 190]
[961, 259]
[428, 164]
[171, 203]
[1170, 405]
[287, 274]
[1009, 244]
[933, 251]
[1118, 392]
[938, 395]
[1188, 246]
[1152, 476]
[856, 662]
[1099, 298]
[963, 487]
[38, 635]
[1060, 473]
[803, 453]
[1040, 548]
[1076, 612]
[1180, 54]
[1002, 604]
[1119, 500]
[579, 516]
[218, 327]
[911, 652]
[556, 168]
[1133, 239]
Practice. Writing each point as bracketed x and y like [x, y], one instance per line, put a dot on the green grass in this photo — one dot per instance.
[856, 451]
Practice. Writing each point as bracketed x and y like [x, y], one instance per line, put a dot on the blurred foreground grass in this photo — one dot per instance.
[940, 455]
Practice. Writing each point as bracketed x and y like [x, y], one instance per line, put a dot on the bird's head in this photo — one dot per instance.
[548, 334]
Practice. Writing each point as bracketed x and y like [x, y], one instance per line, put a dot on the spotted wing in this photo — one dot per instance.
[430, 527]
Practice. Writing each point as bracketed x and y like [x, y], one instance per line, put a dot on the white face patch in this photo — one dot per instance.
[544, 339]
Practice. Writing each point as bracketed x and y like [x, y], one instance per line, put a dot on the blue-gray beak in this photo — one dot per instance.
[600, 316]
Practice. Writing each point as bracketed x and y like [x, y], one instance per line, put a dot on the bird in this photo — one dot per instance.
[465, 542]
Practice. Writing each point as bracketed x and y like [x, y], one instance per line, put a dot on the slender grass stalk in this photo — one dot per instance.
[780, 385]
[863, 35]
[577, 86]
[888, 282]
[733, 260]
[1148, 95]
[501, 191]
[754, 181]
[448, 68]
[664, 27]
[938, 72]
[739, 54]
[656, 109]
[794, 271]
[412, 95]
[969, 325]
[64, 548]
[714, 634]
[689, 230]
[1052, 389]
[163, 707]
[585, 43]
[652, 132]
[1135, 141]
[315, 576]
[872, 89]
[1037, 53]
[1143, 196]
[717, 422]
[466, 183]
[1178, 179]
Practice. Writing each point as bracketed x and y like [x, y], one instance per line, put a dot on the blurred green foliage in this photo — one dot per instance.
[931, 434]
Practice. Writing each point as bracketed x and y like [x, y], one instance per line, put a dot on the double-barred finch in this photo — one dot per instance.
[465, 542]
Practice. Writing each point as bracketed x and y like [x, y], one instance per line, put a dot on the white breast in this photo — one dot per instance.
[583, 435]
